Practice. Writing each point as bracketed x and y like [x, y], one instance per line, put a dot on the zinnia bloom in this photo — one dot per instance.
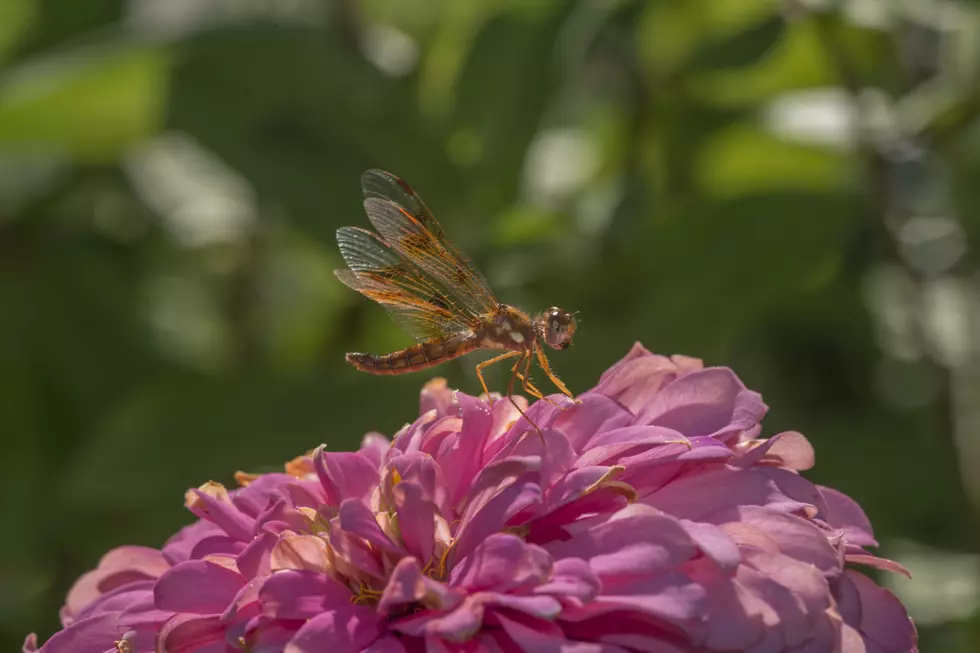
[650, 516]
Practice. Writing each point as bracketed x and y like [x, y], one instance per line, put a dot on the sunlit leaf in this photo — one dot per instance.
[88, 104]
[744, 161]
[742, 48]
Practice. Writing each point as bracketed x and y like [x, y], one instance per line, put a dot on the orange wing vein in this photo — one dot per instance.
[426, 284]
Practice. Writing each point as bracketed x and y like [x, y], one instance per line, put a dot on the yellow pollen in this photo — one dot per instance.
[365, 595]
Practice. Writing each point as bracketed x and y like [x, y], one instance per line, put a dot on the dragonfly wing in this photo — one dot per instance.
[435, 257]
[418, 306]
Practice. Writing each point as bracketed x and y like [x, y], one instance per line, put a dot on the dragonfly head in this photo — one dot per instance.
[556, 327]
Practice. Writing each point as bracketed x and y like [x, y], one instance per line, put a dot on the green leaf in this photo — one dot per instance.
[744, 161]
[741, 48]
[89, 104]
[16, 19]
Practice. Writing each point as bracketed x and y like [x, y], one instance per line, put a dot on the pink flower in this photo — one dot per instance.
[648, 517]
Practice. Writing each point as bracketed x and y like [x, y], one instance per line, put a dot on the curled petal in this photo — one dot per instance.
[301, 595]
[502, 563]
[197, 587]
[637, 540]
[211, 502]
[416, 520]
[408, 585]
[121, 566]
[345, 475]
[501, 491]
[192, 634]
[348, 629]
[301, 552]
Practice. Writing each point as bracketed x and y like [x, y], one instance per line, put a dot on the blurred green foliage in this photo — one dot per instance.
[172, 173]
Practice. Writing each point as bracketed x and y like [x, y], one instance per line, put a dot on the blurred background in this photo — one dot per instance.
[789, 188]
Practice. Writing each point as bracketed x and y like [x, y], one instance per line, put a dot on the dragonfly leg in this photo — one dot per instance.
[496, 359]
[510, 392]
[529, 387]
[551, 375]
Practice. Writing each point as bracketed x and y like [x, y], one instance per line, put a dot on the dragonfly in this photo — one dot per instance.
[435, 294]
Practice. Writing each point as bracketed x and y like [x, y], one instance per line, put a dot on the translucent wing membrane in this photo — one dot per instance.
[417, 305]
[407, 225]
[427, 285]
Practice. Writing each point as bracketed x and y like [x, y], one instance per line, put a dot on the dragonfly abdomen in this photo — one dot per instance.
[417, 357]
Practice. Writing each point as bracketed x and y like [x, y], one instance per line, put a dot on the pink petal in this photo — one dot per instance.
[635, 381]
[385, 645]
[734, 620]
[245, 604]
[345, 475]
[438, 396]
[352, 555]
[347, 629]
[552, 447]
[714, 543]
[548, 639]
[421, 470]
[192, 634]
[657, 466]
[198, 587]
[571, 578]
[709, 402]
[280, 516]
[541, 413]
[596, 414]
[789, 449]
[539, 607]
[883, 620]
[669, 596]
[267, 635]
[224, 514]
[797, 538]
[826, 635]
[463, 460]
[217, 545]
[806, 582]
[357, 519]
[502, 563]
[178, 548]
[555, 525]
[118, 567]
[500, 491]
[409, 438]
[301, 595]
[254, 559]
[307, 552]
[789, 617]
[374, 446]
[254, 498]
[702, 492]
[638, 540]
[94, 635]
[878, 563]
[843, 513]
[611, 446]
[118, 599]
[458, 625]
[622, 627]
[416, 520]
[407, 585]
[141, 613]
